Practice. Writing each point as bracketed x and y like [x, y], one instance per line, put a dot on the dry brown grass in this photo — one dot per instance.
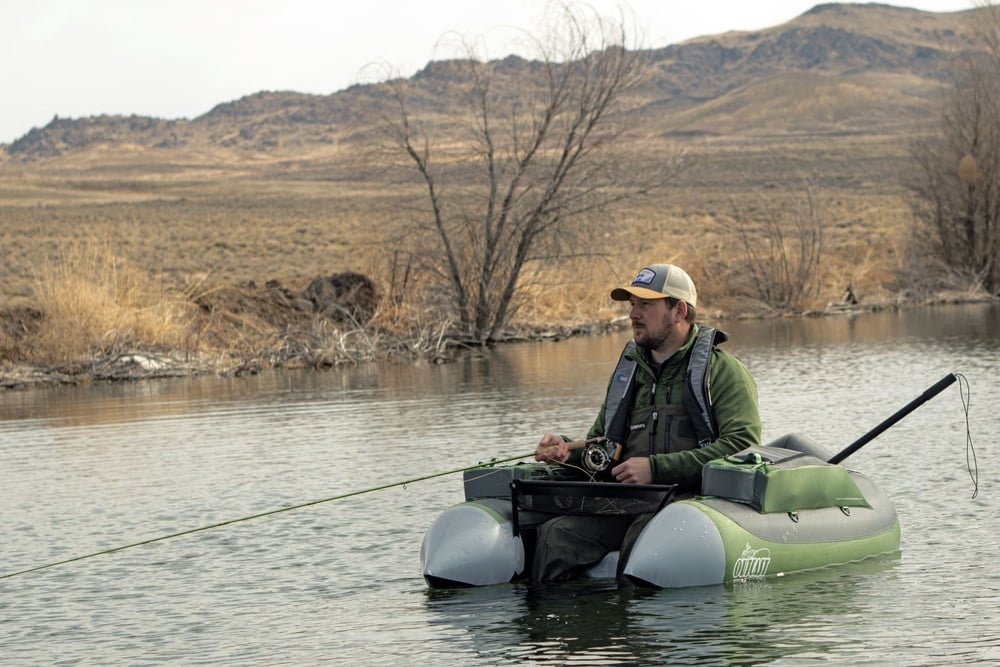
[251, 194]
[97, 304]
[114, 256]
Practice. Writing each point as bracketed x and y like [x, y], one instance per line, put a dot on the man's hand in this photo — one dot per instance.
[552, 449]
[633, 471]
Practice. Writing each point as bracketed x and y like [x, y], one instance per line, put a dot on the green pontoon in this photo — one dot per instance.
[766, 512]
[763, 512]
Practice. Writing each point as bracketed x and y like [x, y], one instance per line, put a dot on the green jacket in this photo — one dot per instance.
[734, 403]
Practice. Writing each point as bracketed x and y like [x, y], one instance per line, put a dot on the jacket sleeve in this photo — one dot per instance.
[734, 403]
[597, 430]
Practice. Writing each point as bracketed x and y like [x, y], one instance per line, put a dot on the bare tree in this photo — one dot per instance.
[533, 158]
[957, 188]
[783, 248]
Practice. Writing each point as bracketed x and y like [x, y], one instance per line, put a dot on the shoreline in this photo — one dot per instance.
[138, 364]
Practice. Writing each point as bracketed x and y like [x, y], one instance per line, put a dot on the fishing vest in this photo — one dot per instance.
[660, 429]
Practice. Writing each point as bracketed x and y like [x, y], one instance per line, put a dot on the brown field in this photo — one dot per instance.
[225, 219]
[196, 237]
[119, 223]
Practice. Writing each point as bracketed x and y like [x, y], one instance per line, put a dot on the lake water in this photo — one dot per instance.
[92, 468]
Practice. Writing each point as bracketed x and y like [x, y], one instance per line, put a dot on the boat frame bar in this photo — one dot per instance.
[663, 494]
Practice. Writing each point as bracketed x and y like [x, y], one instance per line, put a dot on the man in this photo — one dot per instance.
[668, 427]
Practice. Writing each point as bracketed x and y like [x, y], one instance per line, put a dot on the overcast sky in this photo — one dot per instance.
[179, 58]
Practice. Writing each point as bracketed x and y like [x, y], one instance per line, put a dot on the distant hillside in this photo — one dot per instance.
[869, 68]
[855, 69]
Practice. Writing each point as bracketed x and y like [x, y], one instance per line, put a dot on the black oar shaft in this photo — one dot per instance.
[930, 393]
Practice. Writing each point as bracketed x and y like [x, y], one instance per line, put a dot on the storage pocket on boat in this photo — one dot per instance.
[772, 479]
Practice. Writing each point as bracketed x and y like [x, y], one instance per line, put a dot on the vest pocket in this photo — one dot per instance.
[683, 435]
[660, 429]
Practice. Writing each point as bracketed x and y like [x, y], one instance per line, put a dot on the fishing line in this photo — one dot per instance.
[965, 392]
[263, 514]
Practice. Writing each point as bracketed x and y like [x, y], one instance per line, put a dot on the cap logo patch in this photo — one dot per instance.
[645, 277]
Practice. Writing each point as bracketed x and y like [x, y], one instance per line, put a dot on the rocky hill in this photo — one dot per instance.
[865, 69]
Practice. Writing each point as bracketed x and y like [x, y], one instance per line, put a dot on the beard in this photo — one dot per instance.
[651, 340]
[647, 340]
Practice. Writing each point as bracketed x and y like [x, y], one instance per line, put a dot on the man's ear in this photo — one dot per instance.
[681, 310]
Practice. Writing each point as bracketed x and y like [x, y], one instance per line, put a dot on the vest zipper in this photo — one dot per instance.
[656, 413]
[652, 432]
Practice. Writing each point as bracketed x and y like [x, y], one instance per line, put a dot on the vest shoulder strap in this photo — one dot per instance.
[696, 393]
[619, 398]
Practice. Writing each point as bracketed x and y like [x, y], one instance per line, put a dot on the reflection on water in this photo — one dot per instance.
[507, 370]
[588, 623]
[520, 368]
[972, 326]
[94, 467]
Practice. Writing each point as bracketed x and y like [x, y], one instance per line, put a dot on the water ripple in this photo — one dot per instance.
[97, 467]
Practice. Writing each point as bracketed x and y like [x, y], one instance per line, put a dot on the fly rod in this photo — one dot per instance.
[928, 394]
[263, 514]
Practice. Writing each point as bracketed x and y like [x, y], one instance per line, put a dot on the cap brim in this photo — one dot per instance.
[624, 293]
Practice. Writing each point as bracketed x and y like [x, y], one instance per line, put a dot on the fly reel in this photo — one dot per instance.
[600, 455]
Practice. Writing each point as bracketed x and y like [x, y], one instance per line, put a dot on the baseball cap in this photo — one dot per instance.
[658, 281]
